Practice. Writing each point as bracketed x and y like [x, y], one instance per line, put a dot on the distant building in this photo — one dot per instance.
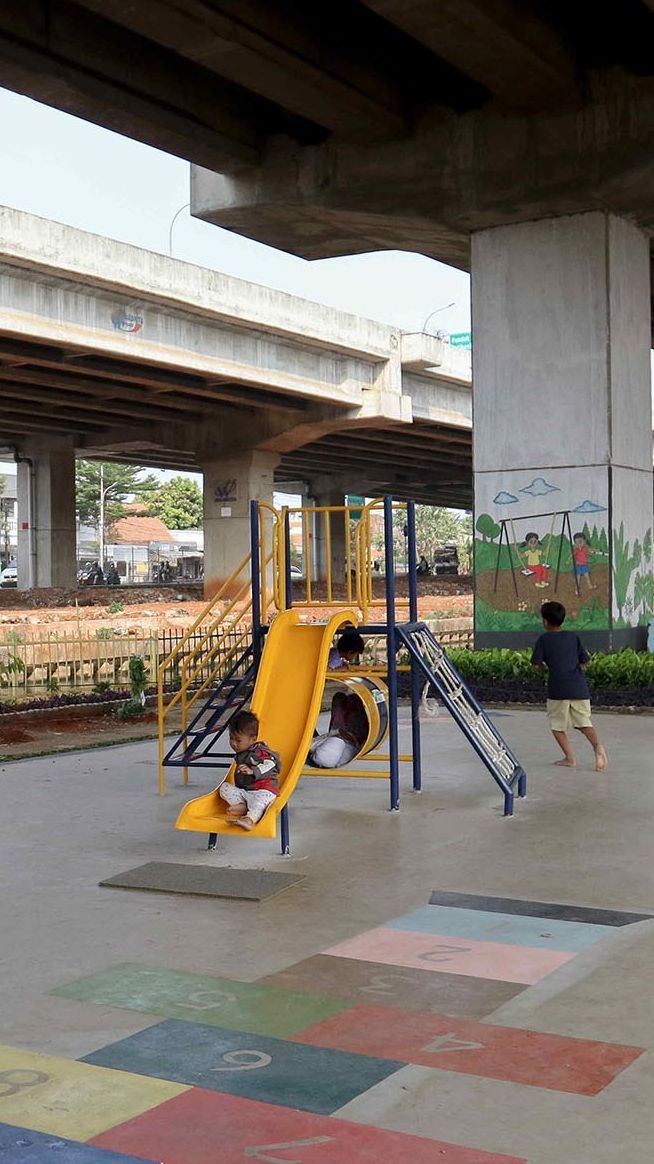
[8, 519]
[139, 547]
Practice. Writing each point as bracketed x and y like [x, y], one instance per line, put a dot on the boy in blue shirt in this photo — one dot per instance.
[568, 697]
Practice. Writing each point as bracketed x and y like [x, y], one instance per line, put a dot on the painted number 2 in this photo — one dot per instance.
[237, 1061]
[443, 953]
[260, 1152]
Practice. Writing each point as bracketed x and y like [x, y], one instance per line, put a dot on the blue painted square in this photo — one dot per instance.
[315, 1079]
[507, 928]
[21, 1146]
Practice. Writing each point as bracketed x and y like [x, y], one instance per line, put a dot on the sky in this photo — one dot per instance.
[61, 167]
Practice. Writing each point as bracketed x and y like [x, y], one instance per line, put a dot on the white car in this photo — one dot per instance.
[9, 576]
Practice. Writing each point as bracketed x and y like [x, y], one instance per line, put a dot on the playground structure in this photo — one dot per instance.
[256, 650]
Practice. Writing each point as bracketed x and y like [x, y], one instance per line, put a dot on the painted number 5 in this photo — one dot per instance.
[237, 1061]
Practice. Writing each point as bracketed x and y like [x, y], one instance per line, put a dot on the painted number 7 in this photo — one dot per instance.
[259, 1152]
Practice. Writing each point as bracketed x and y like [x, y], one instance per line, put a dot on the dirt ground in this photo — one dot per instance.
[151, 609]
[52, 734]
[531, 597]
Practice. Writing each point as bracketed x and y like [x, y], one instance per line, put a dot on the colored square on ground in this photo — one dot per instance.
[243, 1006]
[22, 1146]
[66, 1098]
[382, 985]
[509, 928]
[555, 1062]
[454, 955]
[272, 1070]
[203, 1128]
[203, 880]
[549, 909]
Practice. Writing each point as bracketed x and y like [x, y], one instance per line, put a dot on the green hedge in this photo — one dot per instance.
[625, 669]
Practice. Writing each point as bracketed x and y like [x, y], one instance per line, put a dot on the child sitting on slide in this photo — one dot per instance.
[255, 784]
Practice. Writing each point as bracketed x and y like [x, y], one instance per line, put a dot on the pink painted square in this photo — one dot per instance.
[453, 955]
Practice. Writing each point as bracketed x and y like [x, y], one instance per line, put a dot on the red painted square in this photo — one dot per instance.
[202, 1127]
[541, 1060]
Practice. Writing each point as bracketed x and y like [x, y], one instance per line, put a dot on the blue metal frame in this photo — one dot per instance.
[288, 577]
[255, 581]
[391, 648]
[415, 670]
[405, 634]
[284, 823]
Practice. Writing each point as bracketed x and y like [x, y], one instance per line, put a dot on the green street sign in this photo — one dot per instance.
[461, 339]
[355, 505]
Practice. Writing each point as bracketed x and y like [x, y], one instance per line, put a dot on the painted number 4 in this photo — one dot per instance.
[260, 1152]
[451, 1043]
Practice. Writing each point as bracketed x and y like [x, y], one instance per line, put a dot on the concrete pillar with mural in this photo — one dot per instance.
[230, 483]
[45, 480]
[562, 429]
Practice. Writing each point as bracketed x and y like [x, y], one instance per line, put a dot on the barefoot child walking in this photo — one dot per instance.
[568, 697]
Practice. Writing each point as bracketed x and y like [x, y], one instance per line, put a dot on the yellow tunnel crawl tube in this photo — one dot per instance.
[369, 723]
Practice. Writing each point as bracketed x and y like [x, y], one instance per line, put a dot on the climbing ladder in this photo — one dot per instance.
[428, 655]
[195, 746]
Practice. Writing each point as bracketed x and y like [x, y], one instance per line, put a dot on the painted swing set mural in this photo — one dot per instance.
[530, 553]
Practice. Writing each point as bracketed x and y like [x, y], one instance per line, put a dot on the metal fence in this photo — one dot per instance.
[83, 659]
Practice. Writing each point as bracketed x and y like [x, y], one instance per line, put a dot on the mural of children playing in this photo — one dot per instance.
[580, 553]
[534, 559]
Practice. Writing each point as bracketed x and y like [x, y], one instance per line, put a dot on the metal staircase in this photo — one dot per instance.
[212, 670]
[430, 657]
[195, 745]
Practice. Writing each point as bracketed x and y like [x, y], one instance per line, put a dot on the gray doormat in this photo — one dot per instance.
[204, 881]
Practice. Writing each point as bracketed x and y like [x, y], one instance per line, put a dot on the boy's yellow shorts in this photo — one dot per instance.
[565, 713]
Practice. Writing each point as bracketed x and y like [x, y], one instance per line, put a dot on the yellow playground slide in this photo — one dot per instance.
[287, 698]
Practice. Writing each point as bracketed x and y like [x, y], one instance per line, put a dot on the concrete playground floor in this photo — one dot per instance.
[388, 1028]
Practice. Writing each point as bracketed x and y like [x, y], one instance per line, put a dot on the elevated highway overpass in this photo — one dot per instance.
[513, 138]
[114, 352]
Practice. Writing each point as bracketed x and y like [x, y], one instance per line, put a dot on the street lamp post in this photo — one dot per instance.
[176, 215]
[104, 493]
[435, 312]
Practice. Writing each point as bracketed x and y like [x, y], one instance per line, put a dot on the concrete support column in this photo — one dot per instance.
[337, 537]
[230, 483]
[562, 429]
[45, 481]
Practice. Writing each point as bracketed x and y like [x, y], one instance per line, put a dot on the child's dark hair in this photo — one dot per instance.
[530, 535]
[246, 722]
[553, 613]
[581, 534]
[350, 642]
